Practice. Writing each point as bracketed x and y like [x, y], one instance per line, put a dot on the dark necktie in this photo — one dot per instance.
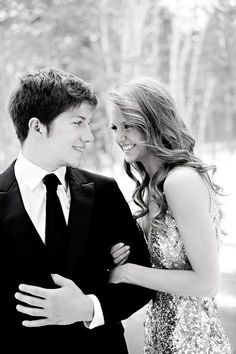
[55, 230]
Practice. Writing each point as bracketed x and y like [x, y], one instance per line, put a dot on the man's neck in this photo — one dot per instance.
[39, 160]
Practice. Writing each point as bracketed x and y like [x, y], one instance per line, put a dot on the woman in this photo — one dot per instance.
[180, 217]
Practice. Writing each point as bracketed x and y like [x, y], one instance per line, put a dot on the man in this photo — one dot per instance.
[55, 262]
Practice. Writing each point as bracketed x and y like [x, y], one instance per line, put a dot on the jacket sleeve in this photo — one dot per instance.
[119, 301]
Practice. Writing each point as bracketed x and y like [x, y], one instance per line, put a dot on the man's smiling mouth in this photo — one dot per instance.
[79, 148]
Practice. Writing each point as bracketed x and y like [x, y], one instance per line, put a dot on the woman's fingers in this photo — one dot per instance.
[122, 259]
[120, 251]
[116, 247]
[121, 255]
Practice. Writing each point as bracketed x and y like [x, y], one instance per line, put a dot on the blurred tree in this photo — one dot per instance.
[190, 46]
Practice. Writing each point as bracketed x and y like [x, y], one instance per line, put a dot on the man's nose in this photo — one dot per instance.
[88, 136]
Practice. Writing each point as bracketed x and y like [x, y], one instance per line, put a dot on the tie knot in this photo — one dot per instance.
[51, 182]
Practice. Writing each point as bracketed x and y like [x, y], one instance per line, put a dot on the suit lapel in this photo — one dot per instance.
[17, 222]
[82, 199]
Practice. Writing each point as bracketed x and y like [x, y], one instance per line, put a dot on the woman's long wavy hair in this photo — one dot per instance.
[148, 106]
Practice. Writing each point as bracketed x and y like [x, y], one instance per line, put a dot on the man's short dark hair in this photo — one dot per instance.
[45, 94]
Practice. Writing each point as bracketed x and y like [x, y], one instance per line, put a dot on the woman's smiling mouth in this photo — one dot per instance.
[128, 147]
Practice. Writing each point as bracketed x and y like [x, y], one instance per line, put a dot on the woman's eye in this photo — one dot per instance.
[128, 126]
[113, 128]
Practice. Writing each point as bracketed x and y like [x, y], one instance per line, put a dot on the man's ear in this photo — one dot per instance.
[35, 126]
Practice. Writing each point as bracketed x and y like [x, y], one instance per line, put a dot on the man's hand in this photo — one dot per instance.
[62, 306]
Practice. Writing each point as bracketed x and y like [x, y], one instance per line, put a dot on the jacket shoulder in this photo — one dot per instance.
[7, 177]
[85, 176]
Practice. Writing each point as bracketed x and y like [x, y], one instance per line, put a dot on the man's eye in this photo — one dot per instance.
[78, 122]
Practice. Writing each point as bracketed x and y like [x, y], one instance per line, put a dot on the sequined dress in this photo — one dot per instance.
[180, 324]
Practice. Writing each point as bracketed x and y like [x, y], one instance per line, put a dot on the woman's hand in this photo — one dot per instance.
[118, 274]
[120, 253]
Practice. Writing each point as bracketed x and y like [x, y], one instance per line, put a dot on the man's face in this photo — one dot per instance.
[68, 137]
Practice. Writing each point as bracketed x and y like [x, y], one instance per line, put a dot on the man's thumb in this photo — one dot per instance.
[59, 280]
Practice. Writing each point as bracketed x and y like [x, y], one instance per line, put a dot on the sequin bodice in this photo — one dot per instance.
[180, 324]
[165, 245]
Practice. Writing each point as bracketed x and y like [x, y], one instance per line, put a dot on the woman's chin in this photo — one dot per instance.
[129, 159]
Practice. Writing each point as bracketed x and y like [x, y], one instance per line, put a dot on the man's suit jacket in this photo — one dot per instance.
[99, 217]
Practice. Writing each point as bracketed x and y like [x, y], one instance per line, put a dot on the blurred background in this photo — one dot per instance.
[190, 45]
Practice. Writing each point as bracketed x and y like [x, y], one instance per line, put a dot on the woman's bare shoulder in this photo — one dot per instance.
[181, 175]
[184, 181]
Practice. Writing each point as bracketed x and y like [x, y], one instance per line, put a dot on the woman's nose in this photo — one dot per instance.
[120, 137]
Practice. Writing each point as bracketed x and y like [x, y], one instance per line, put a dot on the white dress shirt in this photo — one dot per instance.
[33, 192]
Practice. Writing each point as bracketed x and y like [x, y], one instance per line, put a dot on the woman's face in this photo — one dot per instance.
[128, 137]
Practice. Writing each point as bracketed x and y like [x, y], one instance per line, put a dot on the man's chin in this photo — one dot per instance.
[74, 164]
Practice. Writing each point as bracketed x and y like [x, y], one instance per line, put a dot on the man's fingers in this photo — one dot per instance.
[31, 311]
[60, 280]
[30, 300]
[34, 290]
[37, 323]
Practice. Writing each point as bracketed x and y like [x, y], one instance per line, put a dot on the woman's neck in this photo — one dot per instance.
[152, 165]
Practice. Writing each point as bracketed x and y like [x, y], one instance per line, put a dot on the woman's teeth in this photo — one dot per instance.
[127, 147]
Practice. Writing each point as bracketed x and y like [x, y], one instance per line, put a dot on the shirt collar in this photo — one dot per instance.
[32, 174]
